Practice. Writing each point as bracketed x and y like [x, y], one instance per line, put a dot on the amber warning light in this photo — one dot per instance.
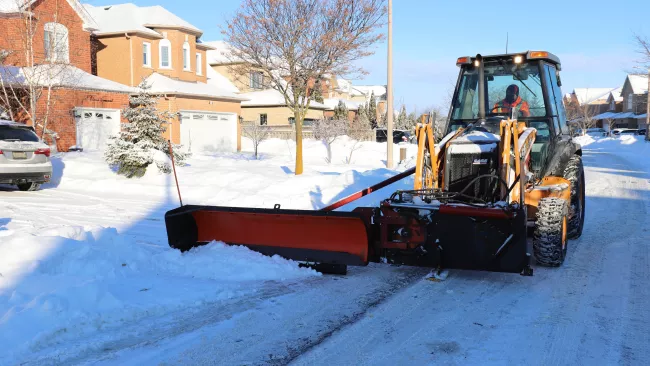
[538, 54]
[463, 61]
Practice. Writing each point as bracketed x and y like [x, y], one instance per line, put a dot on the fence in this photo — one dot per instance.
[288, 132]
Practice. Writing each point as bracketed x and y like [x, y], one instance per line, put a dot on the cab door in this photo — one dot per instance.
[563, 147]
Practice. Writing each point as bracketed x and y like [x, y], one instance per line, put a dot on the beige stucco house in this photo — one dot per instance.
[136, 43]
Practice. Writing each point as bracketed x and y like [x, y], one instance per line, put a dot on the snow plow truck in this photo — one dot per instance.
[504, 187]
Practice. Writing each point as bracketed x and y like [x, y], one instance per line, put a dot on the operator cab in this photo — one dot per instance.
[523, 86]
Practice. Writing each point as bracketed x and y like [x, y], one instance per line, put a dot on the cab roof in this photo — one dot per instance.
[526, 55]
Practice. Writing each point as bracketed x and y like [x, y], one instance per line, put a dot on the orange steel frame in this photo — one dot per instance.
[511, 150]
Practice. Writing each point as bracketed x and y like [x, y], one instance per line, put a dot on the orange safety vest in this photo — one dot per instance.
[505, 107]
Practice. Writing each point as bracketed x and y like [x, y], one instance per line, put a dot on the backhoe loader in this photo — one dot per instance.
[504, 188]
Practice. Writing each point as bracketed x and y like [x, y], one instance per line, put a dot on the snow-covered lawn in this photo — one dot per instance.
[89, 251]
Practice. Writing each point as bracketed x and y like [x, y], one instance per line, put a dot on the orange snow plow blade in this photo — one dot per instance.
[309, 236]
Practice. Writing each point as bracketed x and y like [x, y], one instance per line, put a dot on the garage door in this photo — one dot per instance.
[205, 132]
[95, 126]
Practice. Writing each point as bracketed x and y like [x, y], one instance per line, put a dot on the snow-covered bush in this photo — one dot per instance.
[141, 141]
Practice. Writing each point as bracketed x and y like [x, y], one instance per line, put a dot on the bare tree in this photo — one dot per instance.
[31, 70]
[328, 131]
[581, 114]
[295, 44]
[256, 132]
[358, 131]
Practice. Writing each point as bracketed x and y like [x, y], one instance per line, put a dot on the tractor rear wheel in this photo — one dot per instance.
[550, 236]
[574, 173]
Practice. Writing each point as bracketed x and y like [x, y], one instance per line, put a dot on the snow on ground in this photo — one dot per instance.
[88, 253]
[67, 298]
[591, 311]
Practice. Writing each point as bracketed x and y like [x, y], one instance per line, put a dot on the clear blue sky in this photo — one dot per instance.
[593, 39]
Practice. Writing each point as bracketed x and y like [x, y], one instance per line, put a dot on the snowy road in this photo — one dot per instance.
[592, 311]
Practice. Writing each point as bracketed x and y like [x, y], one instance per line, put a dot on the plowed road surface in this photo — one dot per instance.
[595, 310]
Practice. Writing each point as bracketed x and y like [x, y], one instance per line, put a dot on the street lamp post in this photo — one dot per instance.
[389, 91]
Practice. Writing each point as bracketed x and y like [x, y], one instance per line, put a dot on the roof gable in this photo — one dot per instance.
[12, 7]
[128, 17]
[592, 95]
[638, 83]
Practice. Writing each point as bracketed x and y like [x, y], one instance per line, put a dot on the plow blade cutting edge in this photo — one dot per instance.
[310, 236]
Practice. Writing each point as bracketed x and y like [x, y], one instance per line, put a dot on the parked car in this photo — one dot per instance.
[623, 131]
[398, 136]
[596, 132]
[24, 157]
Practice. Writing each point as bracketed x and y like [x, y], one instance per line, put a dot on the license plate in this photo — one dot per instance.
[20, 155]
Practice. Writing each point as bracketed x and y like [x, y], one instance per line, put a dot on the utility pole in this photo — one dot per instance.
[389, 91]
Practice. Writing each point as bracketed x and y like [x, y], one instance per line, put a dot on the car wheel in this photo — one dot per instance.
[29, 186]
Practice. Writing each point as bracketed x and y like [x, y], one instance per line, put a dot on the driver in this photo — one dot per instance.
[511, 101]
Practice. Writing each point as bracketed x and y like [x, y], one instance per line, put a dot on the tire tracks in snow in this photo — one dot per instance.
[203, 336]
[589, 311]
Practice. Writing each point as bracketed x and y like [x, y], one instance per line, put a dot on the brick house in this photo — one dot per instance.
[635, 99]
[150, 43]
[79, 108]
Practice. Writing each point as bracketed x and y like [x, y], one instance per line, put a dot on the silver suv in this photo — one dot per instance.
[24, 158]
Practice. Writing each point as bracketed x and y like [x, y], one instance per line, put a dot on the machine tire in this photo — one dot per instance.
[32, 186]
[574, 173]
[550, 237]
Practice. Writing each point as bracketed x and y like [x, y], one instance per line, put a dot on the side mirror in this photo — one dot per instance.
[559, 81]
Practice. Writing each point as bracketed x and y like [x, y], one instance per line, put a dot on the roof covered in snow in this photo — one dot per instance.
[344, 85]
[639, 83]
[592, 95]
[616, 95]
[220, 81]
[331, 103]
[220, 54]
[161, 84]
[14, 6]
[367, 90]
[62, 76]
[121, 18]
[271, 98]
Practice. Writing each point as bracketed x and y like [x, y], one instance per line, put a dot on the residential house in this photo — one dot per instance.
[590, 103]
[346, 90]
[626, 106]
[76, 108]
[264, 105]
[268, 105]
[635, 99]
[136, 43]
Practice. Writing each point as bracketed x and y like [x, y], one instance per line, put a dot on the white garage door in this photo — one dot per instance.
[95, 126]
[203, 132]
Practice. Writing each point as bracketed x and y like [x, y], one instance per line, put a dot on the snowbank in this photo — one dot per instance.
[62, 283]
[89, 251]
[634, 148]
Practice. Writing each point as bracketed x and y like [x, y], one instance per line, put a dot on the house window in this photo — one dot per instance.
[165, 54]
[630, 101]
[263, 119]
[186, 56]
[199, 64]
[612, 105]
[146, 54]
[56, 42]
[257, 80]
